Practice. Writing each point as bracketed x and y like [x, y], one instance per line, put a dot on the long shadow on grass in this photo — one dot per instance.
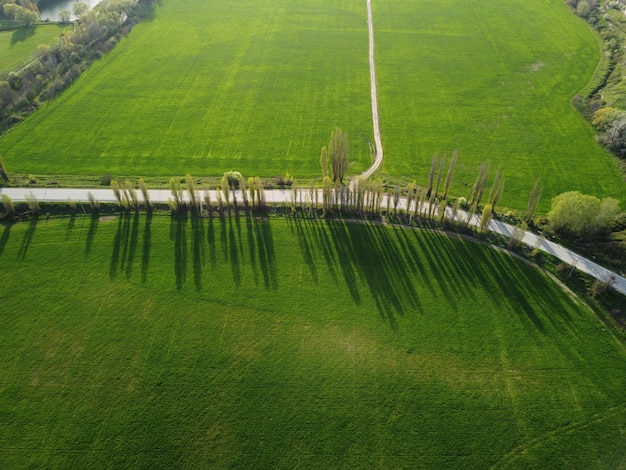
[267, 255]
[125, 245]
[178, 233]
[233, 252]
[211, 242]
[197, 248]
[252, 250]
[28, 238]
[91, 232]
[367, 255]
[6, 233]
[147, 246]
[70, 226]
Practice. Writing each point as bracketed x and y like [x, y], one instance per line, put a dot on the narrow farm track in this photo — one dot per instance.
[377, 140]
[279, 196]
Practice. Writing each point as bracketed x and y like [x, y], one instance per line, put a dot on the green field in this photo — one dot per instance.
[17, 46]
[208, 87]
[152, 342]
[493, 80]
[256, 86]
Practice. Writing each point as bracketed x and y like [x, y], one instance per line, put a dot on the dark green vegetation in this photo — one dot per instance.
[258, 86]
[17, 47]
[155, 341]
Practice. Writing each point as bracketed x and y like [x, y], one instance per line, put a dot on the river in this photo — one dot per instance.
[50, 9]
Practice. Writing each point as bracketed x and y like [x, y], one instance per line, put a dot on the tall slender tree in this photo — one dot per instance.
[497, 188]
[450, 175]
[338, 154]
[480, 184]
[431, 175]
[533, 201]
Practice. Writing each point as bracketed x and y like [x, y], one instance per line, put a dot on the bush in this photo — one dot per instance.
[582, 215]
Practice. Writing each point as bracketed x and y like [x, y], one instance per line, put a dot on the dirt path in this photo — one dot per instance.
[377, 140]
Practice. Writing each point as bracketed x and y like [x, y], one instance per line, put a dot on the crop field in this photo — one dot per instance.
[17, 46]
[493, 80]
[258, 86]
[143, 341]
[209, 87]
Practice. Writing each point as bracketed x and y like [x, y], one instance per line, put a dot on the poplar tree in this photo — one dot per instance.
[450, 175]
[225, 185]
[497, 189]
[143, 187]
[480, 184]
[442, 163]
[326, 194]
[485, 218]
[533, 201]
[251, 190]
[191, 191]
[338, 154]
[324, 161]
[431, 175]
[9, 208]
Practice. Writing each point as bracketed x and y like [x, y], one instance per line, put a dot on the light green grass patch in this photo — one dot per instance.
[17, 46]
[252, 343]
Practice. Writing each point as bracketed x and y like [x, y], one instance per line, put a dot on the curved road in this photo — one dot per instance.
[280, 196]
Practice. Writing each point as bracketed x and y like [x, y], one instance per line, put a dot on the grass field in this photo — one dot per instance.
[258, 87]
[493, 80]
[246, 343]
[17, 46]
[209, 87]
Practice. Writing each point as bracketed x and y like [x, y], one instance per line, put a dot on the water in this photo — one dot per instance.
[50, 9]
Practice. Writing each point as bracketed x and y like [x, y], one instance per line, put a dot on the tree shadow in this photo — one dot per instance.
[211, 242]
[306, 245]
[120, 245]
[252, 250]
[28, 238]
[22, 34]
[233, 252]
[197, 248]
[6, 233]
[147, 246]
[178, 233]
[132, 246]
[345, 257]
[70, 226]
[91, 232]
[267, 256]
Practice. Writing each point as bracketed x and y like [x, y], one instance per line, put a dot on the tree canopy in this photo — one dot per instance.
[582, 214]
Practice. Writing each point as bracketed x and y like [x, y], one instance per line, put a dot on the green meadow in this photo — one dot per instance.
[255, 86]
[150, 341]
[493, 80]
[209, 87]
[17, 46]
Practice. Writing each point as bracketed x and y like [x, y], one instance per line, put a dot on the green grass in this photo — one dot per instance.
[209, 87]
[494, 81]
[17, 46]
[249, 343]
[258, 86]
